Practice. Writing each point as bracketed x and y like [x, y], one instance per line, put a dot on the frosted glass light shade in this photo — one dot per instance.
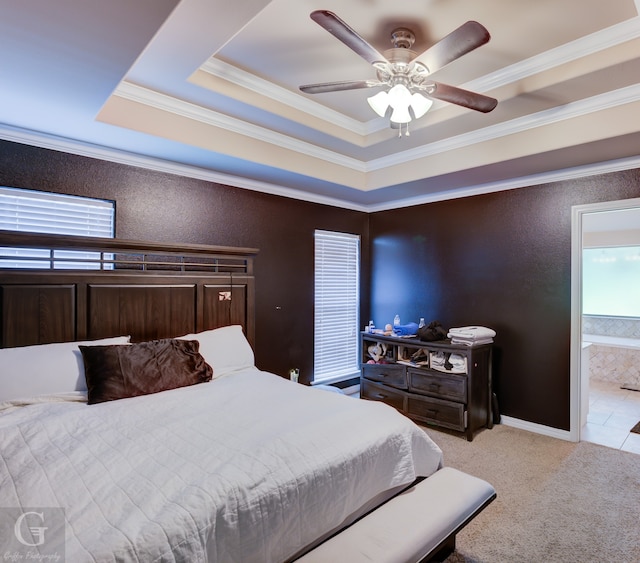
[399, 95]
[401, 115]
[400, 100]
[420, 105]
[379, 103]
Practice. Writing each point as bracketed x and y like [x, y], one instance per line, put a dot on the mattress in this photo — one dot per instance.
[247, 467]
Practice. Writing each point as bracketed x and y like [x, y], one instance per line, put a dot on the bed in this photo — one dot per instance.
[217, 461]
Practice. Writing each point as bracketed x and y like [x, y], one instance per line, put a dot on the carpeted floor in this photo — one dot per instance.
[557, 501]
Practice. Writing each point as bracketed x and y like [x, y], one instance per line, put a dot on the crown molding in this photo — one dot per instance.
[579, 48]
[244, 79]
[164, 102]
[542, 118]
[70, 146]
[53, 142]
[514, 183]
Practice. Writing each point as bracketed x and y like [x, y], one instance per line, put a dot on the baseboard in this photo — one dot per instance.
[536, 428]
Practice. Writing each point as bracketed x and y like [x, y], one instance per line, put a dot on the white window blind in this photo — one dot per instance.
[44, 212]
[337, 302]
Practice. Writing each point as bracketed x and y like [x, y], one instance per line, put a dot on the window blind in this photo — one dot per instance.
[337, 303]
[44, 212]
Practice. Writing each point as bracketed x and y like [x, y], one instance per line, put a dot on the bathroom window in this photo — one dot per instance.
[44, 212]
[611, 281]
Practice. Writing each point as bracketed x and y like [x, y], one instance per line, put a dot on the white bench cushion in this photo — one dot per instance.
[410, 525]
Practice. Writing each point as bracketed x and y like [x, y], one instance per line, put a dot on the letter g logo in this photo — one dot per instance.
[36, 531]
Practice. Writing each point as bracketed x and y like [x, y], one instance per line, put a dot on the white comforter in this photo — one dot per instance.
[249, 467]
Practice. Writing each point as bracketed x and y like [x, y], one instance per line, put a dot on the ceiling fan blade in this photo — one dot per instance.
[466, 38]
[339, 29]
[338, 86]
[464, 98]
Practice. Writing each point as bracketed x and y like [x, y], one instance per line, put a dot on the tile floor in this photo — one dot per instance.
[612, 413]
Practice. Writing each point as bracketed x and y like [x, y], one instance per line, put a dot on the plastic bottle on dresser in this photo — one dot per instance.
[396, 320]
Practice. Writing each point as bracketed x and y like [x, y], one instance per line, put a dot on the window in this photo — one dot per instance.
[337, 302]
[610, 281]
[43, 212]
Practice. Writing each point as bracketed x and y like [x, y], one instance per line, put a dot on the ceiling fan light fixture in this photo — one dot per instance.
[410, 94]
[379, 103]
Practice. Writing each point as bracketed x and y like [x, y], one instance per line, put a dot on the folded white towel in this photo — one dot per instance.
[471, 341]
[471, 332]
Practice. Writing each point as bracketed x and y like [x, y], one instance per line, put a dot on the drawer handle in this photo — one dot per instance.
[380, 396]
[434, 386]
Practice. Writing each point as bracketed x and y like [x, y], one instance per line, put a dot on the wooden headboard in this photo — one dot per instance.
[121, 287]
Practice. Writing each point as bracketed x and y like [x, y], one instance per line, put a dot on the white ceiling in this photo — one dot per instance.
[200, 88]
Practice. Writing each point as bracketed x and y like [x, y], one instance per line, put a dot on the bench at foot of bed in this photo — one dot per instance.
[420, 524]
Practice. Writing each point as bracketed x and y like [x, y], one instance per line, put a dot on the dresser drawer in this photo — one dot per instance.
[453, 387]
[389, 374]
[442, 413]
[377, 392]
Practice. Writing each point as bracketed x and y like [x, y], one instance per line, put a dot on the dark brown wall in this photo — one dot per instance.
[501, 260]
[166, 208]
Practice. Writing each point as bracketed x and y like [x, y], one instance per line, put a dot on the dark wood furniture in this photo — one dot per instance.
[457, 397]
[122, 287]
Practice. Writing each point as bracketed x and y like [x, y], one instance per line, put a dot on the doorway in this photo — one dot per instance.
[585, 219]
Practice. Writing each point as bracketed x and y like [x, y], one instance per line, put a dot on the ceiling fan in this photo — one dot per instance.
[404, 72]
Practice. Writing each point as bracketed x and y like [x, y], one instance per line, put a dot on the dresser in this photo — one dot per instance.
[434, 383]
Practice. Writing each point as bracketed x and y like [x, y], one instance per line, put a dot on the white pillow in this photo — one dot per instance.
[225, 349]
[29, 371]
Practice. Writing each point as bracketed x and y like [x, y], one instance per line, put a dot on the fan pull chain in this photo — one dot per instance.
[406, 131]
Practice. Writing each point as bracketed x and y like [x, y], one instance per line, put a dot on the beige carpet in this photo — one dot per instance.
[557, 501]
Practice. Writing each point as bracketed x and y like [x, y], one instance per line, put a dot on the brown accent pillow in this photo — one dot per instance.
[121, 371]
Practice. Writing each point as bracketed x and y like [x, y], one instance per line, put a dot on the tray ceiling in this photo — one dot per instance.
[195, 88]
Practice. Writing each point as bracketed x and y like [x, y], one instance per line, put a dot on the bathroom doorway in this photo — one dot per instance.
[601, 225]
